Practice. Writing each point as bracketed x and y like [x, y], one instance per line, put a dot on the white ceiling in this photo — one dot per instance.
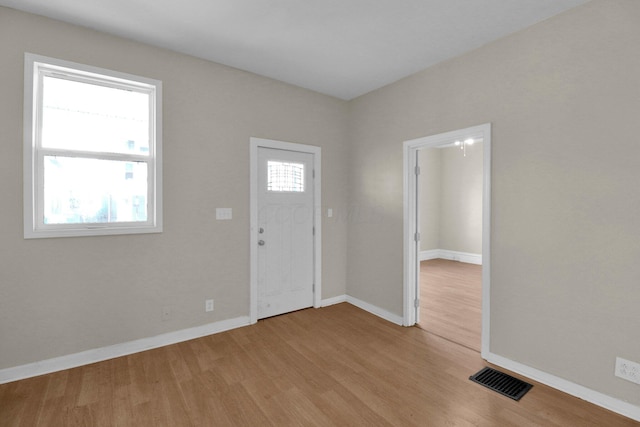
[343, 48]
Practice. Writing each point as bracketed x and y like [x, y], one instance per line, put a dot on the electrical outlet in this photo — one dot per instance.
[208, 305]
[628, 370]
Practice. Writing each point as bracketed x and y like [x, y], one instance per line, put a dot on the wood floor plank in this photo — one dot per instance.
[333, 366]
[450, 300]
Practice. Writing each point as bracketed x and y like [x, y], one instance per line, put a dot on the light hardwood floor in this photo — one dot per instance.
[334, 366]
[451, 300]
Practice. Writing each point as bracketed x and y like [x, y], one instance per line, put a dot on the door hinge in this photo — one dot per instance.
[417, 170]
[313, 173]
[313, 287]
[416, 303]
[417, 237]
[313, 231]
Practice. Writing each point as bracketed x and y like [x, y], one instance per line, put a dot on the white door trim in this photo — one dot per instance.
[411, 148]
[255, 143]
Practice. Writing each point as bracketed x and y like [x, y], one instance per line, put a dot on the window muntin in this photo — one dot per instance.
[285, 177]
[92, 151]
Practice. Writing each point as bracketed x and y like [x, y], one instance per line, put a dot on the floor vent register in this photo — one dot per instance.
[501, 383]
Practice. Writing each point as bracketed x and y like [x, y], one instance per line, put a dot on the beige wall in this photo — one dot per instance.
[61, 296]
[450, 194]
[429, 192]
[563, 98]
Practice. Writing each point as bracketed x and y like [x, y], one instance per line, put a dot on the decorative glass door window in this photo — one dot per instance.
[285, 177]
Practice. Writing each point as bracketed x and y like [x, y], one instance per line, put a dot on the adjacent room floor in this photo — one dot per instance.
[334, 366]
[451, 301]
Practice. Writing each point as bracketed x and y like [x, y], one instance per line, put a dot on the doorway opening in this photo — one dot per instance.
[450, 226]
[447, 235]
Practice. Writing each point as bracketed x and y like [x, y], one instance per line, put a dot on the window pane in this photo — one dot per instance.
[80, 190]
[90, 117]
[285, 176]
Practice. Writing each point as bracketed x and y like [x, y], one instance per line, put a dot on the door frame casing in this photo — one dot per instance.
[411, 247]
[254, 145]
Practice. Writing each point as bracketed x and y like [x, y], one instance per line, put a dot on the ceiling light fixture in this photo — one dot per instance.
[463, 145]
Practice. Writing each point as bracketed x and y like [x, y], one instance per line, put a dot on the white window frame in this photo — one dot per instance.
[35, 67]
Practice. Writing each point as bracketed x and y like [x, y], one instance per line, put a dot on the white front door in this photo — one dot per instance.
[285, 232]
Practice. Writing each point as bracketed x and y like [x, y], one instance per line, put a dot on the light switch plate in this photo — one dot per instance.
[224, 213]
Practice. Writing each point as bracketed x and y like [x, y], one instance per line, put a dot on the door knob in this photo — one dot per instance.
[261, 242]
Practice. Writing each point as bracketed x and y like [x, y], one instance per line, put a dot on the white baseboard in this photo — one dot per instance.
[451, 255]
[430, 254]
[117, 350]
[377, 311]
[619, 406]
[331, 301]
[386, 315]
